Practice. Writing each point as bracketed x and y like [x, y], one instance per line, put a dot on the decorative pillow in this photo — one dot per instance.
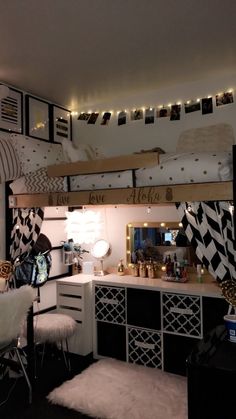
[9, 162]
[18, 186]
[210, 138]
[39, 181]
[34, 154]
[80, 152]
[72, 153]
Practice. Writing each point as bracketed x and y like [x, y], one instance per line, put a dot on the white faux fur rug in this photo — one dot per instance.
[111, 389]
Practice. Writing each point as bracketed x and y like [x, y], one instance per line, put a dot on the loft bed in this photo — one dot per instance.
[137, 195]
[197, 171]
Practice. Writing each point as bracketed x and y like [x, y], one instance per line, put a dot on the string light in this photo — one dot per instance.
[151, 107]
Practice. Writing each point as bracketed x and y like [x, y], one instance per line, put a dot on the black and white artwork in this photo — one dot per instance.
[61, 124]
[224, 98]
[192, 106]
[11, 116]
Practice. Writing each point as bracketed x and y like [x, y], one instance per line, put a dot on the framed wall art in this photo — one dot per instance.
[37, 118]
[62, 122]
[11, 115]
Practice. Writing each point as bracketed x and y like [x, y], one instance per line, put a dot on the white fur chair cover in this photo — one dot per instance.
[14, 306]
[53, 327]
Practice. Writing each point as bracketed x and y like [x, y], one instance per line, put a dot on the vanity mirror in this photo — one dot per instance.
[100, 250]
[153, 240]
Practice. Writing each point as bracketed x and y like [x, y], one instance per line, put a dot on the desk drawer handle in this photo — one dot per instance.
[109, 301]
[144, 345]
[181, 310]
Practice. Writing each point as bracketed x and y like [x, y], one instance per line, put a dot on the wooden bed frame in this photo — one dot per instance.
[148, 195]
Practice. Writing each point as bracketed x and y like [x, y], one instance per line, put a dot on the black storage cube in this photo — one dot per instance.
[111, 340]
[143, 308]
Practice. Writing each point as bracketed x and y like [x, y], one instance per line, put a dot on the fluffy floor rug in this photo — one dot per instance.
[111, 389]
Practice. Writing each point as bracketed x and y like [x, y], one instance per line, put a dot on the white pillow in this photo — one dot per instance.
[72, 153]
[18, 186]
[218, 137]
[81, 152]
[34, 154]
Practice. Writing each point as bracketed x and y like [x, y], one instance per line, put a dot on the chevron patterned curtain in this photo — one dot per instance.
[209, 227]
[26, 228]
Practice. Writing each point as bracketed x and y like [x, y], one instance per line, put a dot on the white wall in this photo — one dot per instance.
[135, 135]
[114, 230]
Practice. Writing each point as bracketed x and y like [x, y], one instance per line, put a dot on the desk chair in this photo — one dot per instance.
[14, 305]
[54, 328]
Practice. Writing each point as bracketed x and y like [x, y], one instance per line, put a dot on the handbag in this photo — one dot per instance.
[31, 269]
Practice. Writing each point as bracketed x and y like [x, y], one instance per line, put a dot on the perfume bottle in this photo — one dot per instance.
[121, 268]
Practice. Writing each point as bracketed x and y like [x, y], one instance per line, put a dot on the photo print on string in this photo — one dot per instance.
[192, 106]
[175, 112]
[224, 98]
[93, 118]
[83, 116]
[136, 115]
[207, 105]
[106, 118]
[149, 116]
[122, 118]
[163, 112]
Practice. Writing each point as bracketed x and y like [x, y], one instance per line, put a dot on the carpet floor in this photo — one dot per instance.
[111, 389]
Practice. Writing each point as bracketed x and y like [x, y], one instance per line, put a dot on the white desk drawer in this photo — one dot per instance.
[63, 289]
[70, 301]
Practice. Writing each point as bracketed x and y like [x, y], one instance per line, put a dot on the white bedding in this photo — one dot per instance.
[174, 168]
[182, 168]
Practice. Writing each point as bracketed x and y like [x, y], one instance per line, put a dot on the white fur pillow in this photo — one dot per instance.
[72, 153]
[81, 152]
[34, 154]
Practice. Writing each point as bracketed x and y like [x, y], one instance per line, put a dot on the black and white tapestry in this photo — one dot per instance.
[25, 231]
[209, 227]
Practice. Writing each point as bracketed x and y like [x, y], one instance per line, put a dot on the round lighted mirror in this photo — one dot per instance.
[100, 250]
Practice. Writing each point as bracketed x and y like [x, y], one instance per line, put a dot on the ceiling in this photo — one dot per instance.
[78, 53]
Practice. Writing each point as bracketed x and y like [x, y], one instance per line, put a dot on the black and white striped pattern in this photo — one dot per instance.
[10, 168]
[210, 229]
[26, 228]
[39, 181]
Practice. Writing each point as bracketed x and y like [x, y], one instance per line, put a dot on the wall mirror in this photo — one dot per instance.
[154, 240]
